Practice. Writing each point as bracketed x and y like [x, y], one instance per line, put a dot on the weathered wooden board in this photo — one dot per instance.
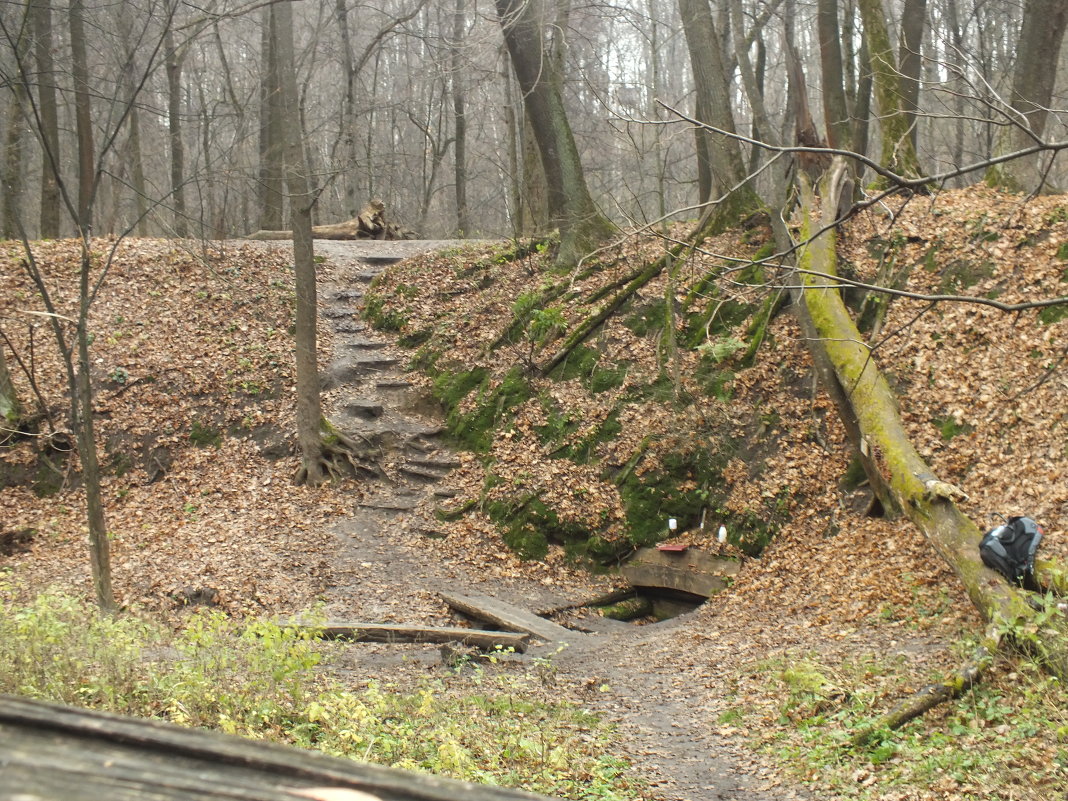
[482, 607]
[55, 753]
[389, 632]
[692, 571]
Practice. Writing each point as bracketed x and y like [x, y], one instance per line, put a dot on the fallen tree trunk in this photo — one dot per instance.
[904, 482]
[370, 223]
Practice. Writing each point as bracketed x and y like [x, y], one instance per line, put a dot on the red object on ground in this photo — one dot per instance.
[678, 546]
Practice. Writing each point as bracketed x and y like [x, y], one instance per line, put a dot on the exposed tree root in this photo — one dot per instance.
[342, 455]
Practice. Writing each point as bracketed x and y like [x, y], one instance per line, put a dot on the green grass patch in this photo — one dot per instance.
[1009, 733]
[263, 680]
[1053, 314]
[949, 428]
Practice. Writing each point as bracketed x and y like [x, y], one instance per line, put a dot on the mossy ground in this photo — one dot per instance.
[627, 429]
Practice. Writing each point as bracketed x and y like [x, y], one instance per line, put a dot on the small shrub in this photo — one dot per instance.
[203, 435]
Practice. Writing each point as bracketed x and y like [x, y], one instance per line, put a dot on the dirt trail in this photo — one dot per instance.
[638, 676]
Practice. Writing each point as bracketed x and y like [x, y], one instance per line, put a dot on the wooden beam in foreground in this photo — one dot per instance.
[55, 753]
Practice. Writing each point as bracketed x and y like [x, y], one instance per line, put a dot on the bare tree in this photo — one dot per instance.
[175, 57]
[82, 115]
[459, 113]
[582, 225]
[1041, 36]
[898, 151]
[48, 117]
[910, 60]
[12, 180]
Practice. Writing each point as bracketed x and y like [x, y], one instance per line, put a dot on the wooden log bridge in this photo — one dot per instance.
[691, 571]
[55, 753]
[509, 617]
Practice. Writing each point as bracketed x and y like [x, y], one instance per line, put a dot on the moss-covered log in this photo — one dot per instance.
[966, 677]
[905, 482]
[628, 609]
[582, 331]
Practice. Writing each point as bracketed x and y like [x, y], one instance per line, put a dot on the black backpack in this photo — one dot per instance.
[1010, 550]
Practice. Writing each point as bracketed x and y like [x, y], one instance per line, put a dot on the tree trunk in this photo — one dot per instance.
[309, 406]
[174, 134]
[835, 107]
[1038, 50]
[83, 122]
[899, 475]
[515, 149]
[910, 60]
[898, 153]
[84, 430]
[582, 226]
[862, 107]
[710, 78]
[725, 160]
[10, 406]
[51, 198]
[348, 111]
[134, 156]
[960, 83]
[271, 132]
[459, 114]
[13, 156]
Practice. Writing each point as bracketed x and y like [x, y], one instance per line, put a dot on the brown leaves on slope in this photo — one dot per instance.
[189, 345]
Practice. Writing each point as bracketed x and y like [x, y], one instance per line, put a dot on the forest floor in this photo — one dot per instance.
[843, 610]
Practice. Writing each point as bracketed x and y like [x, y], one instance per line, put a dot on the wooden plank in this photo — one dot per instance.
[510, 617]
[389, 633]
[692, 571]
[56, 753]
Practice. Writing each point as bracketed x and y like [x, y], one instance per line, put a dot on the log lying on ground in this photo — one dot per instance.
[389, 633]
[965, 677]
[628, 609]
[370, 223]
[901, 477]
[691, 571]
[605, 598]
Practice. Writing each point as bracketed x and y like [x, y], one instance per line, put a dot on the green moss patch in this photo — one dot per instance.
[960, 274]
[1053, 314]
[528, 525]
[716, 319]
[374, 311]
[680, 488]
[472, 426]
